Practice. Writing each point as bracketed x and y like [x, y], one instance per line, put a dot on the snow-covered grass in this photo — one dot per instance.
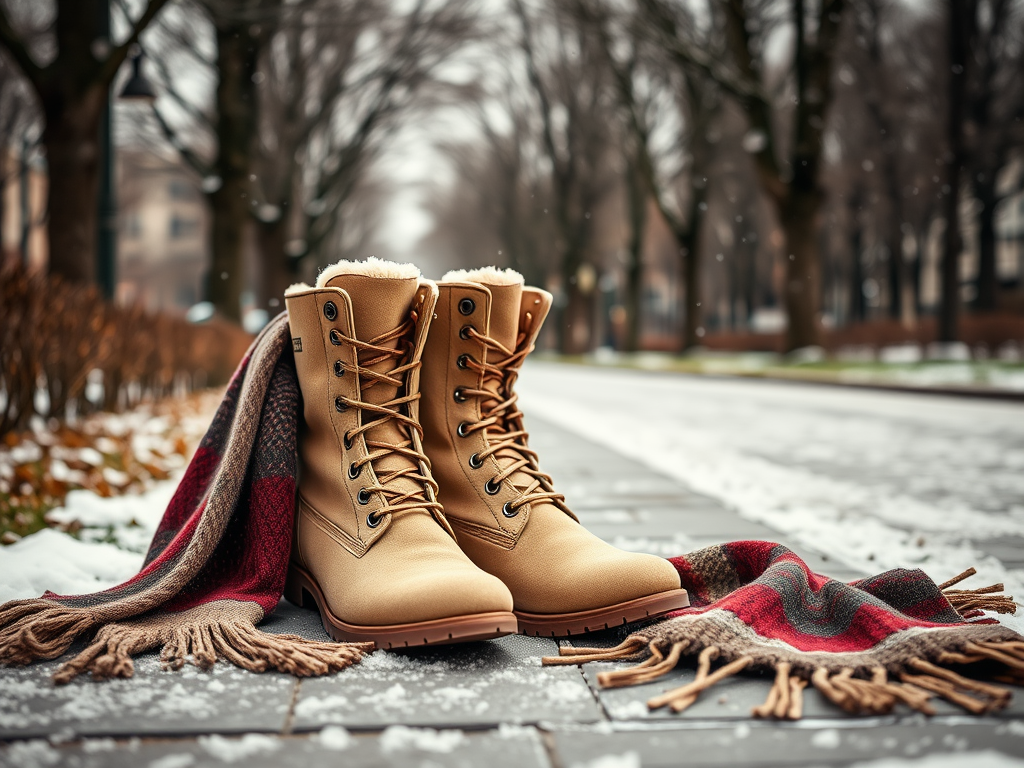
[106, 454]
[875, 479]
[904, 365]
[98, 532]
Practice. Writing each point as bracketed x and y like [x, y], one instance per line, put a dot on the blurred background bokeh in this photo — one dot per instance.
[839, 180]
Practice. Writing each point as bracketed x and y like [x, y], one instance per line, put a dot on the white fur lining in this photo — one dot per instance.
[372, 267]
[485, 275]
[294, 288]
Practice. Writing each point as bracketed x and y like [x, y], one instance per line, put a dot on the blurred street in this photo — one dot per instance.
[875, 479]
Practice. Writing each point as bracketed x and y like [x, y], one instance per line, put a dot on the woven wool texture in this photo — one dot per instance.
[218, 561]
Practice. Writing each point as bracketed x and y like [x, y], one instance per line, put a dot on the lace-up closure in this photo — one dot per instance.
[370, 354]
[501, 420]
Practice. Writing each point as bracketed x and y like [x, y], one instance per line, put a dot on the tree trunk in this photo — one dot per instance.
[802, 292]
[73, 156]
[278, 268]
[988, 287]
[895, 270]
[237, 55]
[635, 269]
[857, 306]
[958, 34]
[689, 251]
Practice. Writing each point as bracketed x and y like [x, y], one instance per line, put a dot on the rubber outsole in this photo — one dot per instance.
[567, 624]
[302, 590]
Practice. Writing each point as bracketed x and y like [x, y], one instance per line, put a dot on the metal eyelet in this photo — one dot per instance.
[464, 332]
[348, 442]
[467, 306]
[339, 369]
[459, 395]
[340, 405]
[354, 471]
[475, 461]
[508, 510]
[463, 430]
[335, 337]
[331, 311]
[492, 487]
[373, 519]
[463, 361]
[363, 497]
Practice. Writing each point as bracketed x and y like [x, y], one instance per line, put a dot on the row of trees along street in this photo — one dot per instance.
[678, 167]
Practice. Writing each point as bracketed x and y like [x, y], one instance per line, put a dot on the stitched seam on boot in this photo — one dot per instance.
[502, 539]
[353, 545]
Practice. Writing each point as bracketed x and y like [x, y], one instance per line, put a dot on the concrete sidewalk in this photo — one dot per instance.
[483, 703]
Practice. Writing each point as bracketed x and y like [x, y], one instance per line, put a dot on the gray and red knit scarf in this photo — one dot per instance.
[217, 566]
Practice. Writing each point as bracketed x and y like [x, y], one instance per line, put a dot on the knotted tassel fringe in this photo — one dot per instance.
[919, 680]
[982, 599]
[31, 630]
[36, 629]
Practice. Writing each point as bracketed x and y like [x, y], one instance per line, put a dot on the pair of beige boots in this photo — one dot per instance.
[408, 403]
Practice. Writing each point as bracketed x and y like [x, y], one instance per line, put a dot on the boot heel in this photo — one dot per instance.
[293, 591]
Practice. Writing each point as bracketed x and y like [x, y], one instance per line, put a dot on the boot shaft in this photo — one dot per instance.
[349, 335]
[478, 327]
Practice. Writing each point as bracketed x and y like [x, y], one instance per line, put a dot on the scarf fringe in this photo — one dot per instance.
[239, 642]
[867, 690]
[37, 629]
[967, 601]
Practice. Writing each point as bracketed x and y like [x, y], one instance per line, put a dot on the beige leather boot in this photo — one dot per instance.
[372, 549]
[508, 518]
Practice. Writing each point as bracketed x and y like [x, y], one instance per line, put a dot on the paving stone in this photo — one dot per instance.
[733, 698]
[396, 747]
[780, 745]
[224, 699]
[468, 685]
[288, 619]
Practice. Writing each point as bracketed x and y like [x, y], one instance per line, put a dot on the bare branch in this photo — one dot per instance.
[15, 46]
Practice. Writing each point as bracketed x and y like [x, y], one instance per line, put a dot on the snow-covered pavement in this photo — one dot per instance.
[876, 479]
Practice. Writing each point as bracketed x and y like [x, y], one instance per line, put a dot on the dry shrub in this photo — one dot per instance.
[54, 336]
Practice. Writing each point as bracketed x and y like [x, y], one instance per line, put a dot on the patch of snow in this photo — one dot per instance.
[984, 759]
[235, 750]
[98, 745]
[335, 737]
[625, 760]
[400, 738]
[320, 708]
[35, 753]
[826, 738]
[635, 709]
[180, 760]
[51, 560]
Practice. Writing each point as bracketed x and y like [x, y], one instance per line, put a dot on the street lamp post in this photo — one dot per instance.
[137, 88]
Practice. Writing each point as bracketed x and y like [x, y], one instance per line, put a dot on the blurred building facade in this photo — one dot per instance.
[163, 232]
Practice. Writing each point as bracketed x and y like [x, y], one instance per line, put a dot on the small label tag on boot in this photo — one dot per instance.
[297, 344]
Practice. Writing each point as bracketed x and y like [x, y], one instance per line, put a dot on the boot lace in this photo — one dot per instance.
[369, 354]
[502, 422]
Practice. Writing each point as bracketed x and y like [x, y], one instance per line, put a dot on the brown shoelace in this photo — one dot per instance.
[395, 500]
[502, 421]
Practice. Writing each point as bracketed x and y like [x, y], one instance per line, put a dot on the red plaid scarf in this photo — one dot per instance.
[866, 646]
[217, 565]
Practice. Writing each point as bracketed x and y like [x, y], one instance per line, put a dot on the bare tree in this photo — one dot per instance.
[995, 124]
[72, 87]
[322, 85]
[565, 71]
[692, 102]
[787, 159]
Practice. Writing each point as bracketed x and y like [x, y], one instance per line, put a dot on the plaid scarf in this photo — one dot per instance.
[217, 566]
[866, 646]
